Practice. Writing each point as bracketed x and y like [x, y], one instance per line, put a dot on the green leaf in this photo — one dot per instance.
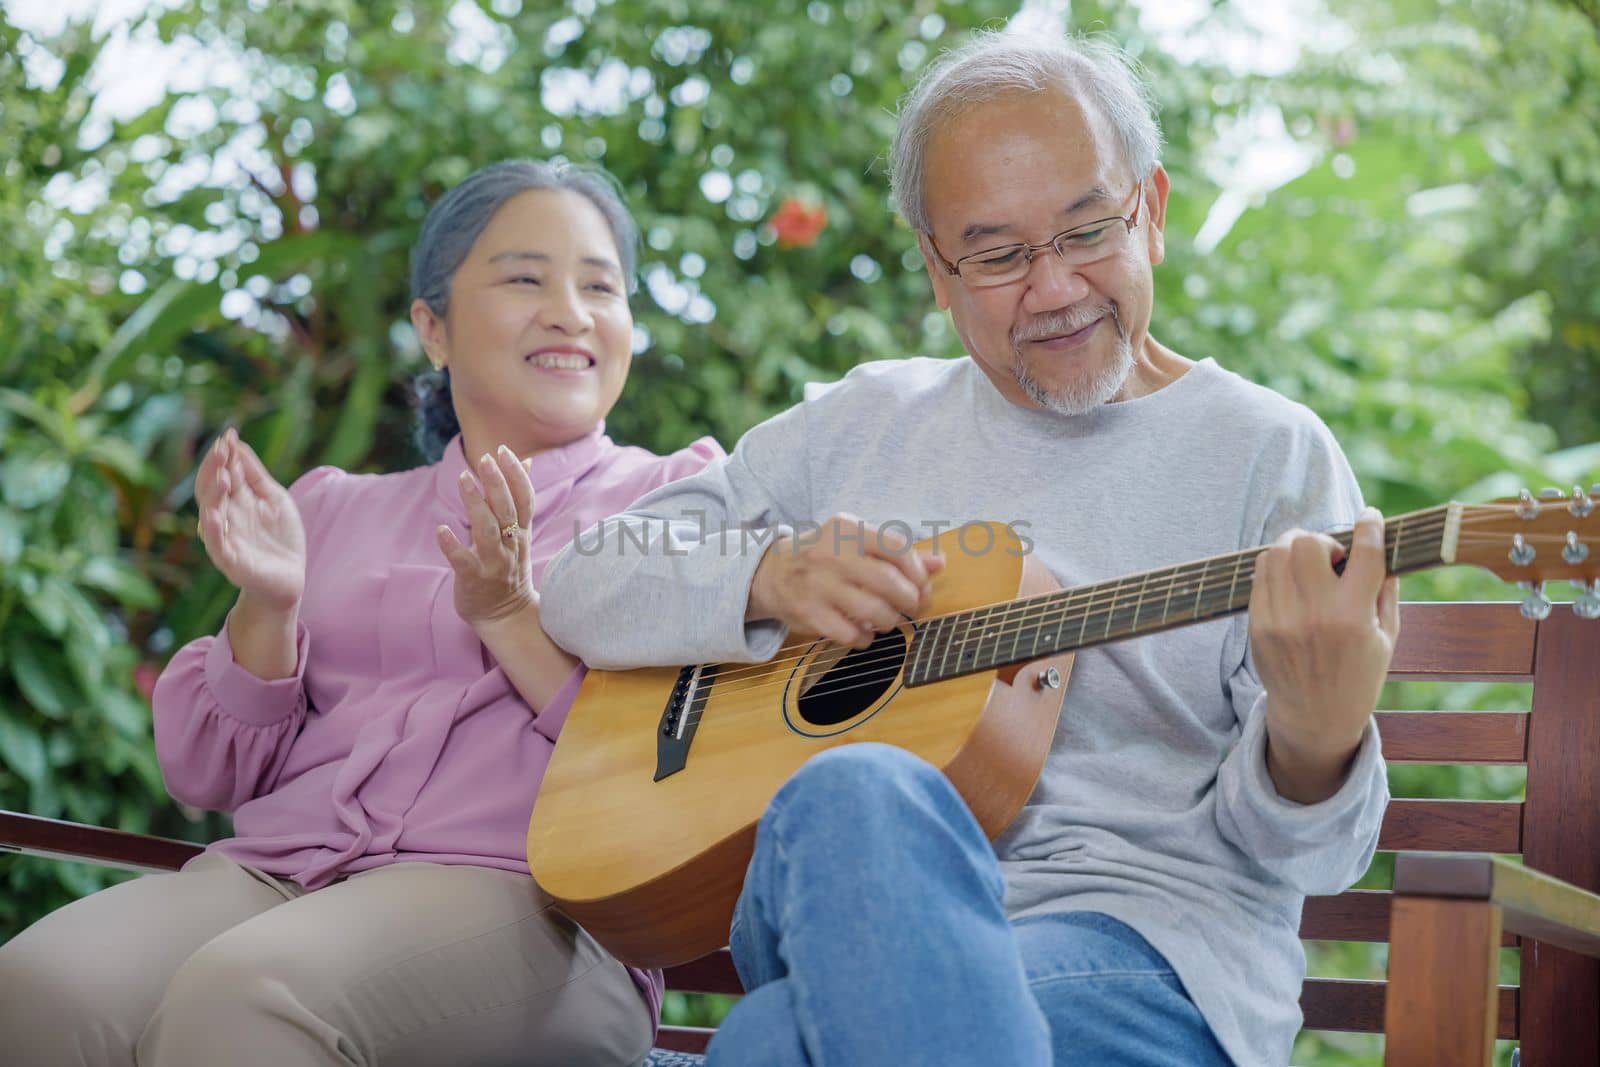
[29, 479]
[22, 750]
[127, 585]
[166, 314]
[39, 675]
[123, 458]
[51, 421]
[126, 713]
[85, 805]
[62, 748]
[10, 538]
[48, 599]
[86, 661]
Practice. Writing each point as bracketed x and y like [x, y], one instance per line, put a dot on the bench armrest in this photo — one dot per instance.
[1531, 904]
[60, 840]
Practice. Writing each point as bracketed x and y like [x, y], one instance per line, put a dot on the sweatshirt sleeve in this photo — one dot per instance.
[1313, 848]
[222, 734]
[666, 582]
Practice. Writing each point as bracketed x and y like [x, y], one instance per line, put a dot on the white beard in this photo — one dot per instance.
[1088, 393]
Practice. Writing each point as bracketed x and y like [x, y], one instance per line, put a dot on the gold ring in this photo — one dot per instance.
[508, 530]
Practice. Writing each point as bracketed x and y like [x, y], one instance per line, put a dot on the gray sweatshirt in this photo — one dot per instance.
[1154, 806]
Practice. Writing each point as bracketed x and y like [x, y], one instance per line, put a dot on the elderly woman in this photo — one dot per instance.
[380, 705]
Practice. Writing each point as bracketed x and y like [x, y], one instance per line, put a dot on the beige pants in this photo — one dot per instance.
[220, 965]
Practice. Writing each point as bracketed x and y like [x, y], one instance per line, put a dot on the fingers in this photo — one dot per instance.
[248, 468]
[205, 478]
[870, 608]
[496, 490]
[213, 486]
[1296, 574]
[480, 518]
[889, 593]
[895, 548]
[1365, 570]
[1389, 608]
[458, 555]
[515, 474]
[847, 581]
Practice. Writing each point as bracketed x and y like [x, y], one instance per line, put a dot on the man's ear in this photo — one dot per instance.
[936, 275]
[431, 332]
[1155, 203]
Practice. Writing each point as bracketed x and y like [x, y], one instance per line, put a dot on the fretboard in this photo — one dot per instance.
[998, 635]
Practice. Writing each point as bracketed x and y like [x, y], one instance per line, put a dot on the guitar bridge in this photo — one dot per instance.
[681, 717]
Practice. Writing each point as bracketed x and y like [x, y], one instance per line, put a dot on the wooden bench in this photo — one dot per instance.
[1447, 917]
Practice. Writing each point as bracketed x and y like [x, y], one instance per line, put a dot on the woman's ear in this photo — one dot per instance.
[431, 332]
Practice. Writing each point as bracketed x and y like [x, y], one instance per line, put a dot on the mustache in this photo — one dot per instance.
[1061, 321]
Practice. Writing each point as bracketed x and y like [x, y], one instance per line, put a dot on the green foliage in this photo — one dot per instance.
[237, 254]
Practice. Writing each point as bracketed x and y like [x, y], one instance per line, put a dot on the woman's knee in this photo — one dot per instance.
[54, 1012]
[227, 975]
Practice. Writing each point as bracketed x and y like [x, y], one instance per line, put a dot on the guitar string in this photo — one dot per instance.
[771, 678]
[1105, 616]
[894, 660]
[1070, 599]
[1064, 605]
[885, 667]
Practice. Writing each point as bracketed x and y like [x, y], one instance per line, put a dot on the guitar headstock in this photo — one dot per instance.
[1532, 539]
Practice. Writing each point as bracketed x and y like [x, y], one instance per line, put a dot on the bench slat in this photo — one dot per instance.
[55, 839]
[1358, 915]
[684, 1038]
[1452, 826]
[1463, 643]
[708, 974]
[1454, 736]
[1357, 1006]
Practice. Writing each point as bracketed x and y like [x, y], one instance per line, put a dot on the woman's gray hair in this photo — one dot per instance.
[995, 63]
[454, 223]
[452, 228]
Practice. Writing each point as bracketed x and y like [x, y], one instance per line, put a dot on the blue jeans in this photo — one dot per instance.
[871, 931]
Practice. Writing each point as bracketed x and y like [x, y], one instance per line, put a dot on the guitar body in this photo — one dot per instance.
[652, 868]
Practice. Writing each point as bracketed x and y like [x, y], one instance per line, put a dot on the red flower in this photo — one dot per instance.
[144, 678]
[797, 223]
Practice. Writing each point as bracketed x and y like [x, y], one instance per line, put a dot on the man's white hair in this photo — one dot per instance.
[1093, 70]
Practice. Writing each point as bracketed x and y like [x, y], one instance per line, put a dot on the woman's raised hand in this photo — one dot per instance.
[494, 570]
[250, 525]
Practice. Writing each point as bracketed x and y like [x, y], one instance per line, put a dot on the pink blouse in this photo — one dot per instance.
[398, 737]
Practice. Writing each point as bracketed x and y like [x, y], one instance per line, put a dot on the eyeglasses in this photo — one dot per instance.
[1077, 247]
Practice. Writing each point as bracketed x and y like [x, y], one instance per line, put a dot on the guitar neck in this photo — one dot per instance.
[988, 638]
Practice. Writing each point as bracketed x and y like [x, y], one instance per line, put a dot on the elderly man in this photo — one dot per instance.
[1143, 908]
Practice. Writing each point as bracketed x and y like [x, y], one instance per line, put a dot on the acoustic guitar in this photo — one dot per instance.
[646, 817]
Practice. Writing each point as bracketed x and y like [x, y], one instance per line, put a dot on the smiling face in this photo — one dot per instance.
[1023, 168]
[538, 336]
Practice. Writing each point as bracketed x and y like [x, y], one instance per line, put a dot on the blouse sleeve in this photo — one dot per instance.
[222, 734]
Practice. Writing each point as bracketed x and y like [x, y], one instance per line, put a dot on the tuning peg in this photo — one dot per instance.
[1536, 605]
[1527, 507]
[1521, 552]
[1550, 492]
[1575, 551]
[1587, 606]
[1581, 505]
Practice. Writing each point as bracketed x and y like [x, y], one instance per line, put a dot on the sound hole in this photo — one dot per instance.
[845, 687]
